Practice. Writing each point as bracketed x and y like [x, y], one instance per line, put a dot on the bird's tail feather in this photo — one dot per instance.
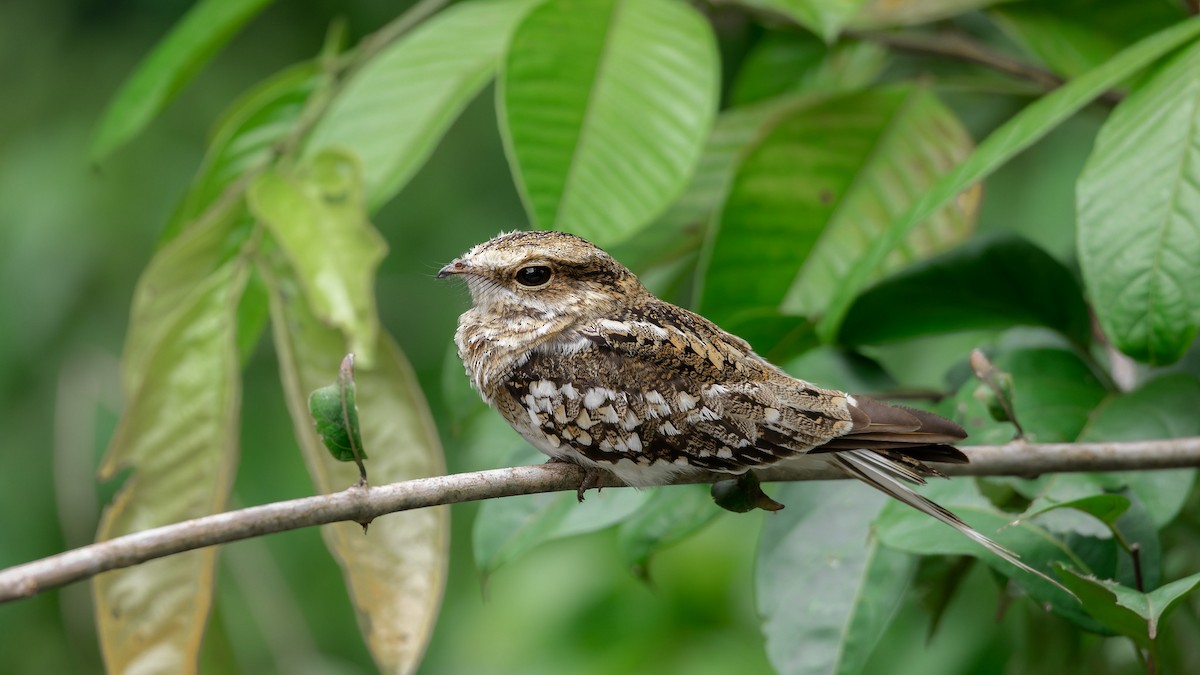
[890, 478]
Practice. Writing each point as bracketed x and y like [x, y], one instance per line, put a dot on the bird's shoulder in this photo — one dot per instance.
[657, 334]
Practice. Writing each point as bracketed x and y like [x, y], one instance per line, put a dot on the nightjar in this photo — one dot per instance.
[592, 368]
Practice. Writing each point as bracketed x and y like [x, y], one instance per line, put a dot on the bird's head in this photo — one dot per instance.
[543, 273]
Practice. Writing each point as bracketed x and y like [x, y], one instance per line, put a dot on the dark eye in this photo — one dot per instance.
[534, 275]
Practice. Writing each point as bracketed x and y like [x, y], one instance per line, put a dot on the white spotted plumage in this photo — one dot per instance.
[591, 368]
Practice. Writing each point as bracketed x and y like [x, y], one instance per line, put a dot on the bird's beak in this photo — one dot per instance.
[456, 266]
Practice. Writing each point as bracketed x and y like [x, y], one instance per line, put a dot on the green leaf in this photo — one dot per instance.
[1070, 37]
[506, 529]
[335, 413]
[735, 130]
[1054, 392]
[906, 529]
[818, 188]
[198, 36]
[1125, 610]
[396, 571]
[171, 283]
[179, 434]
[1024, 129]
[396, 108]
[789, 63]
[669, 515]
[826, 589]
[1139, 230]
[825, 18]
[244, 138]
[886, 13]
[605, 106]
[1161, 408]
[828, 366]
[989, 282]
[318, 217]
[1105, 508]
[1100, 601]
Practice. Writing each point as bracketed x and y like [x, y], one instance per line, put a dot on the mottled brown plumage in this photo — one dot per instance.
[592, 368]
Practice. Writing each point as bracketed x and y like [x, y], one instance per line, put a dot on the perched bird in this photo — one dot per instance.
[592, 368]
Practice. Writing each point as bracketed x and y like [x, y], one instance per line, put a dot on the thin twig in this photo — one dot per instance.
[361, 504]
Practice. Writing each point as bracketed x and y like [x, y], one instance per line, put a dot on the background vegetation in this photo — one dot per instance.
[801, 194]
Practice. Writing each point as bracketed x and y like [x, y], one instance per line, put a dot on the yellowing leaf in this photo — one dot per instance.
[395, 571]
[179, 433]
[318, 217]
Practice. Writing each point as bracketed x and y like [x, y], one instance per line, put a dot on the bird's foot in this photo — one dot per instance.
[592, 478]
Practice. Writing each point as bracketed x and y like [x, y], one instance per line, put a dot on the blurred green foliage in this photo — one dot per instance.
[672, 588]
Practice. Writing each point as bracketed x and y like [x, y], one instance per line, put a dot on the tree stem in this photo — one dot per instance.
[361, 504]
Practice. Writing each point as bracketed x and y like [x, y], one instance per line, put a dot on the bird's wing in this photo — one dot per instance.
[663, 384]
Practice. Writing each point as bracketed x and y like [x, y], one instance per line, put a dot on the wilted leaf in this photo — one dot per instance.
[605, 107]
[318, 217]
[396, 571]
[179, 434]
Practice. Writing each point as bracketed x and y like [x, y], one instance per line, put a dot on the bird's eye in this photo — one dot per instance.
[534, 275]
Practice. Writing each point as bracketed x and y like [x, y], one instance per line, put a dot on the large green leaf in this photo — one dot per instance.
[1071, 37]
[171, 283]
[207, 26]
[906, 529]
[1054, 392]
[878, 13]
[394, 109]
[668, 516]
[990, 282]
[818, 188]
[783, 63]
[605, 107]
[1162, 408]
[179, 435]
[244, 138]
[1126, 610]
[734, 131]
[1139, 216]
[823, 17]
[318, 216]
[1024, 129]
[826, 589]
[508, 528]
[396, 571]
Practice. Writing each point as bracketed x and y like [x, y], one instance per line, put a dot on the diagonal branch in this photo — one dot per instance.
[363, 504]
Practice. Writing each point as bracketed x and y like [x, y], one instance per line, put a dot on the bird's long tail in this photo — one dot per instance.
[893, 479]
